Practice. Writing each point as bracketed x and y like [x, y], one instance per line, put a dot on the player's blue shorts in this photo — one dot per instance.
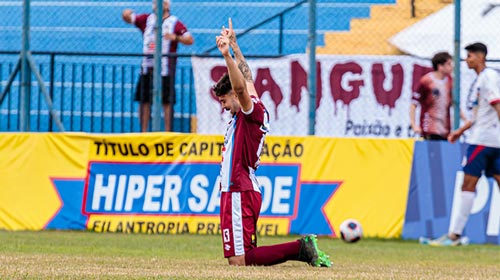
[482, 159]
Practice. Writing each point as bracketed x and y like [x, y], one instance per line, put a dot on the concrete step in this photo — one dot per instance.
[370, 36]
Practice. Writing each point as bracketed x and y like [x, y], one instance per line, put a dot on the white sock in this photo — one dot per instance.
[466, 202]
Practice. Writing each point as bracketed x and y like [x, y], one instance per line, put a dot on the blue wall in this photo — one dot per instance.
[433, 190]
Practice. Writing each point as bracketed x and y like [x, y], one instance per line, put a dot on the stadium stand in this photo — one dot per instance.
[83, 26]
[96, 27]
[370, 35]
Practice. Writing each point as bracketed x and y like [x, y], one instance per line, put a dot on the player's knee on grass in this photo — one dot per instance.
[236, 260]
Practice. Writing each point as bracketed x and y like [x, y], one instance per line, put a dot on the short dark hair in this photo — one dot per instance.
[439, 59]
[477, 48]
[223, 86]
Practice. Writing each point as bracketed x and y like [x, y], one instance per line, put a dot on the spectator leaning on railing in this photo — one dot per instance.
[174, 32]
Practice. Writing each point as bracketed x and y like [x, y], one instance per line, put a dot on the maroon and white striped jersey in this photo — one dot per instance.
[147, 24]
[243, 144]
[435, 99]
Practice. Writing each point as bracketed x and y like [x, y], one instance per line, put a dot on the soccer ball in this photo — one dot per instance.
[351, 231]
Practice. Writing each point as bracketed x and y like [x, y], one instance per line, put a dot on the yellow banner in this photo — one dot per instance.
[166, 183]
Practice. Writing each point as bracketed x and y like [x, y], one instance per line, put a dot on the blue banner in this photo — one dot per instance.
[434, 193]
[172, 189]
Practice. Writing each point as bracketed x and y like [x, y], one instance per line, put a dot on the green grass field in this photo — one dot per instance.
[87, 255]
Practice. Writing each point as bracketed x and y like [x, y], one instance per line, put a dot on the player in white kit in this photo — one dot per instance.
[483, 152]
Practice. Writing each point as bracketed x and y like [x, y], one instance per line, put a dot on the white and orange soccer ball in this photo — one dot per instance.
[351, 231]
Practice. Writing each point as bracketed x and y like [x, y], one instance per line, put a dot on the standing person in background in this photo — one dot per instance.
[483, 152]
[174, 32]
[241, 198]
[434, 96]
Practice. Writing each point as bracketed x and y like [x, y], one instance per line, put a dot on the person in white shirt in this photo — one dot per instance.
[483, 152]
[174, 33]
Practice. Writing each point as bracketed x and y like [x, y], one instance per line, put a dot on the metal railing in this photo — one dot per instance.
[279, 16]
[91, 92]
[94, 92]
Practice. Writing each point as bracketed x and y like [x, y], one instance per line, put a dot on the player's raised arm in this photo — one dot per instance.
[240, 59]
[235, 75]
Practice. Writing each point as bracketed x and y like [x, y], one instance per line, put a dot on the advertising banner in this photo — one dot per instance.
[167, 183]
[435, 188]
[356, 96]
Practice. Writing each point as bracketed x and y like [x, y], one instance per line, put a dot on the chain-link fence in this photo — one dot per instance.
[371, 57]
[74, 36]
[365, 79]
[371, 54]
